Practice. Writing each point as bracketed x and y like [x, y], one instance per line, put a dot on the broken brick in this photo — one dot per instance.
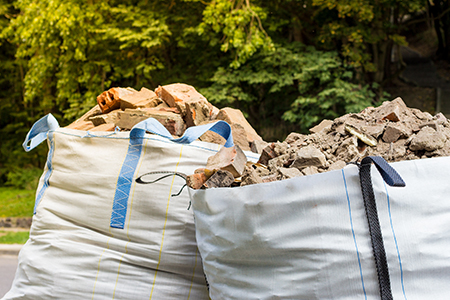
[178, 92]
[130, 117]
[197, 111]
[267, 154]
[231, 116]
[104, 127]
[237, 132]
[82, 125]
[145, 98]
[110, 99]
[231, 159]
[196, 180]
[111, 117]
[394, 111]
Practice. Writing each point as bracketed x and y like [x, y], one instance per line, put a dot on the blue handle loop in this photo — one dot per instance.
[125, 180]
[38, 132]
[191, 134]
[390, 176]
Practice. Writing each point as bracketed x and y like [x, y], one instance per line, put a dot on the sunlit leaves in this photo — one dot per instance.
[237, 26]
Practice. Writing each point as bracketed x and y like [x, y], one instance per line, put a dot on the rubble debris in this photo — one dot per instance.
[145, 98]
[221, 178]
[231, 159]
[110, 99]
[232, 116]
[82, 125]
[391, 130]
[250, 176]
[257, 146]
[173, 122]
[176, 106]
[104, 127]
[196, 180]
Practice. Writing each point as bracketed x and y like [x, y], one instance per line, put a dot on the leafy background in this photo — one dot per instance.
[287, 64]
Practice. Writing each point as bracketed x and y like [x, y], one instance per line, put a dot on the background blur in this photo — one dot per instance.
[287, 64]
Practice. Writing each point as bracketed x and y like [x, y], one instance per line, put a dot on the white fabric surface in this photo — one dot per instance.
[307, 237]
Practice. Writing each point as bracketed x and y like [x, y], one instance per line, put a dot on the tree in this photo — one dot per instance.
[285, 63]
[365, 31]
[297, 82]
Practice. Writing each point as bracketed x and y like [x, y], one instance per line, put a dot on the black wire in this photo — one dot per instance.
[168, 174]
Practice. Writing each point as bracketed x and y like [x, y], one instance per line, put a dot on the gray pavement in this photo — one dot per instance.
[8, 265]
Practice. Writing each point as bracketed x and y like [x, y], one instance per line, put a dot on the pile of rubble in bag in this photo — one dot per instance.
[391, 130]
[176, 106]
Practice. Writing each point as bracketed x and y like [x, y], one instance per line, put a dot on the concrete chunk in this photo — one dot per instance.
[394, 111]
[310, 170]
[286, 173]
[309, 156]
[250, 176]
[394, 131]
[221, 178]
[427, 139]
[325, 124]
[257, 146]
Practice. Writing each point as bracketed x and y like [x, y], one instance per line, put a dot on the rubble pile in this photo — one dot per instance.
[391, 130]
[176, 106]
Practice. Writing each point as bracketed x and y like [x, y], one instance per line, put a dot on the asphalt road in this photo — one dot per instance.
[8, 265]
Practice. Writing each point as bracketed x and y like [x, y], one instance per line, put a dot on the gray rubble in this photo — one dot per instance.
[392, 131]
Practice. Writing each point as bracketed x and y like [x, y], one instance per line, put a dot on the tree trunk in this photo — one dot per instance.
[435, 9]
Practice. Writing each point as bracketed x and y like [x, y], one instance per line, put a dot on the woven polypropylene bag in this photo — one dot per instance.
[308, 237]
[97, 233]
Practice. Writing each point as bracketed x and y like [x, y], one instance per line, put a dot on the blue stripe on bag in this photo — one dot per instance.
[119, 211]
[46, 183]
[354, 237]
[125, 180]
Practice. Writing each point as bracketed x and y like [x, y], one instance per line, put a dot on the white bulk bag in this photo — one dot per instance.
[96, 233]
[308, 237]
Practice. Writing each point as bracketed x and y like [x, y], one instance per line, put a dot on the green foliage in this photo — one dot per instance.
[14, 237]
[16, 202]
[236, 26]
[74, 50]
[23, 178]
[57, 56]
[297, 82]
[364, 31]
